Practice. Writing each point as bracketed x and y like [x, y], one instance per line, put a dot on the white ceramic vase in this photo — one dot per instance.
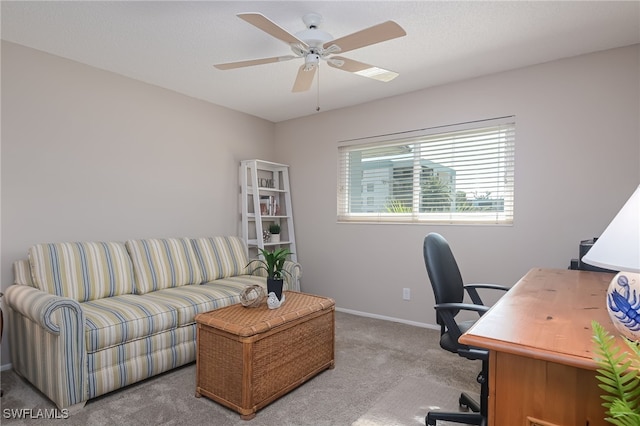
[623, 304]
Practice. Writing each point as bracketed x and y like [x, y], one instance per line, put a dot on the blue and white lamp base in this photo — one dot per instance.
[623, 304]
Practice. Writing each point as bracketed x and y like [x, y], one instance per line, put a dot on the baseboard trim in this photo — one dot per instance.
[386, 318]
[5, 367]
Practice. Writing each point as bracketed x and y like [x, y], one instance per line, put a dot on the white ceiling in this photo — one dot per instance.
[175, 44]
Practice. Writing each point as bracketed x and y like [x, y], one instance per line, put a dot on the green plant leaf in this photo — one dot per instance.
[272, 262]
[618, 376]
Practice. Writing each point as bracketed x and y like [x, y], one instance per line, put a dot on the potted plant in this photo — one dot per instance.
[273, 263]
[619, 377]
[274, 230]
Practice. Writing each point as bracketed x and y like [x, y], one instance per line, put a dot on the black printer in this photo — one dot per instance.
[578, 264]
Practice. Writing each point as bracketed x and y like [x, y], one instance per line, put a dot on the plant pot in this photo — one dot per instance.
[275, 238]
[275, 286]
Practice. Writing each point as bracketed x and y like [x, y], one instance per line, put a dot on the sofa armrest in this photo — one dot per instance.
[39, 306]
[47, 340]
[292, 279]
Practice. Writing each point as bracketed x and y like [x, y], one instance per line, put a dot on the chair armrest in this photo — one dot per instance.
[481, 309]
[472, 291]
[490, 286]
[474, 353]
[448, 311]
[47, 340]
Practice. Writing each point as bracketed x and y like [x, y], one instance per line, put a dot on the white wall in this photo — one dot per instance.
[89, 155]
[577, 162]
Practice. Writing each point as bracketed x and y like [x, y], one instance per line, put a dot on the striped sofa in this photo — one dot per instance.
[86, 318]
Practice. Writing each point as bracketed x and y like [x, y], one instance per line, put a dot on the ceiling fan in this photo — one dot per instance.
[314, 44]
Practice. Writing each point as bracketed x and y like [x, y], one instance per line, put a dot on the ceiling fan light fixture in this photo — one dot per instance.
[378, 74]
[311, 61]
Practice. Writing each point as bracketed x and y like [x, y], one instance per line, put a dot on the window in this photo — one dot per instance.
[452, 174]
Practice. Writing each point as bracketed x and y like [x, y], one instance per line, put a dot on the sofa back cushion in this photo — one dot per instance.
[221, 257]
[82, 271]
[163, 263]
[22, 273]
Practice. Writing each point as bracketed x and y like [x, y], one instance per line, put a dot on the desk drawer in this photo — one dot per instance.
[531, 392]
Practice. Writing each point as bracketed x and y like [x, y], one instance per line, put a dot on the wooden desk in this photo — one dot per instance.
[541, 370]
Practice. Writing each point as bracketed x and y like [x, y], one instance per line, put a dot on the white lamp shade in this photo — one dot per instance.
[618, 248]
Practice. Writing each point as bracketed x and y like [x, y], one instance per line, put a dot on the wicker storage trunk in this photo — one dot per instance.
[248, 357]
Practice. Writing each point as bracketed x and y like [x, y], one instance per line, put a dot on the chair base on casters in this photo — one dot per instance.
[469, 403]
[465, 401]
[478, 417]
[464, 418]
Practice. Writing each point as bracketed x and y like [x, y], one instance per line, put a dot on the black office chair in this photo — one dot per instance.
[448, 289]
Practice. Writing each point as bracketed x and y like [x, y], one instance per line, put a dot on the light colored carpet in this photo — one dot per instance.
[408, 403]
[384, 370]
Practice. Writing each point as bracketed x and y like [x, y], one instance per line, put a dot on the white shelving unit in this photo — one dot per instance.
[265, 199]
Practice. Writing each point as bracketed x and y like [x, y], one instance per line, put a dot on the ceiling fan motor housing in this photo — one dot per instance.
[312, 35]
[312, 20]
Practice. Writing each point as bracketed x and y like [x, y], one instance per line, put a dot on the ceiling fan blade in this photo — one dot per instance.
[268, 26]
[372, 35]
[361, 68]
[241, 64]
[304, 79]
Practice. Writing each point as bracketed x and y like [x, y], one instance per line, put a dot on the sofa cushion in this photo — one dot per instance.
[163, 263]
[122, 365]
[194, 299]
[82, 271]
[220, 257]
[22, 273]
[120, 319]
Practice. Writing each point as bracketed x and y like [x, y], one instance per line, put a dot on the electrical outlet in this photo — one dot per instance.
[406, 294]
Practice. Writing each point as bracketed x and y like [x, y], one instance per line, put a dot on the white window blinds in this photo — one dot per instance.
[453, 174]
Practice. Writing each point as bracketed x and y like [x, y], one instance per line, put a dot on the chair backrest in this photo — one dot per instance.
[443, 270]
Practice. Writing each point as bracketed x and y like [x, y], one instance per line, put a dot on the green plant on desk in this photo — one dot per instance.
[618, 374]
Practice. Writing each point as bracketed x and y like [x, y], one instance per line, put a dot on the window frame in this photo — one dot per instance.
[416, 138]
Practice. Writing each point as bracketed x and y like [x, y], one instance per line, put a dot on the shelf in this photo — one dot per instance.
[252, 216]
[264, 188]
[254, 243]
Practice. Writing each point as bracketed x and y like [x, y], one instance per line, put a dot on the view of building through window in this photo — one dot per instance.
[450, 175]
